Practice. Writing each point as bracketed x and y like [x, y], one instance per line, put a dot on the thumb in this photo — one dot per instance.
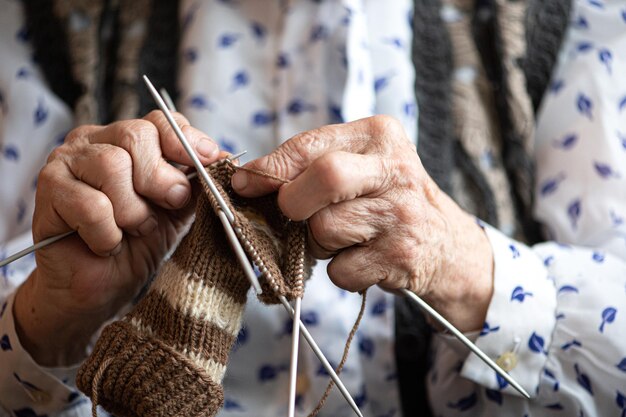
[295, 155]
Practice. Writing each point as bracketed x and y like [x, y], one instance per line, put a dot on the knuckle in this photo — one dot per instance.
[94, 210]
[57, 153]
[304, 140]
[406, 214]
[387, 128]
[135, 132]
[296, 150]
[78, 133]
[48, 176]
[112, 161]
[179, 118]
[332, 175]
[154, 115]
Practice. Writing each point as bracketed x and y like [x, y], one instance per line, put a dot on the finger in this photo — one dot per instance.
[332, 178]
[357, 268]
[342, 225]
[109, 169]
[206, 150]
[152, 176]
[296, 154]
[392, 261]
[64, 203]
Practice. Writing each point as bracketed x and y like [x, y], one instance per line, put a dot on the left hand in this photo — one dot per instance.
[370, 204]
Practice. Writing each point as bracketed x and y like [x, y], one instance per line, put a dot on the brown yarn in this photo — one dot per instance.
[357, 322]
[270, 232]
[344, 357]
[96, 385]
[167, 357]
[260, 173]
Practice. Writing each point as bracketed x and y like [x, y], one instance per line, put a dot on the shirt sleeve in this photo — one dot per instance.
[520, 318]
[554, 323]
[32, 122]
[28, 389]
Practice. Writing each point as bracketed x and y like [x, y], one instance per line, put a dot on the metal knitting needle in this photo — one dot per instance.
[46, 242]
[35, 247]
[430, 311]
[329, 368]
[227, 219]
[168, 99]
[249, 271]
[293, 366]
[192, 154]
[445, 323]
[295, 334]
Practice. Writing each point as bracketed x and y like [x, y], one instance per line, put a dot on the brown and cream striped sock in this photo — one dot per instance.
[168, 356]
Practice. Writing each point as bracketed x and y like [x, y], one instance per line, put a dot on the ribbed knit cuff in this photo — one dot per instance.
[168, 356]
[138, 375]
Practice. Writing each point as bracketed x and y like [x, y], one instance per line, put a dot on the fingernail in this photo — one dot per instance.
[239, 181]
[177, 196]
[147, 226]
[206, 148]
[117, 249]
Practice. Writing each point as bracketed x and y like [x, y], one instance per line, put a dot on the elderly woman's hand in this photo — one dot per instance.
[371, 205]
[114, 186]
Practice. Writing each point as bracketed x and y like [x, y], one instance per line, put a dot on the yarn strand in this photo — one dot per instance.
[260, 173]
[344, 357]
[96, 385]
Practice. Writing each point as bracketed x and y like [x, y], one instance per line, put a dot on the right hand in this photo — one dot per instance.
[114, 186]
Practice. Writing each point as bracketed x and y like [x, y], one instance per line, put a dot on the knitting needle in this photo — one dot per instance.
[249, 271]
[295, 334]
[329, 368]
[293, 366]
[35, 247]
[437, 317]
[183, 140]
[445, 323]
[227, 219]
[168, 99]
[46, 242]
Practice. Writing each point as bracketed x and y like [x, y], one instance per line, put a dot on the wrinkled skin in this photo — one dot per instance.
[114, 186]
[370, 204]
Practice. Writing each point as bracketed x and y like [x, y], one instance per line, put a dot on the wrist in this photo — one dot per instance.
[52, 337]
[463, 290]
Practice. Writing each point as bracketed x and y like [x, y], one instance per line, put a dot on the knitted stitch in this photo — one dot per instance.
[81, 19]
[168, 356]
[476, 124]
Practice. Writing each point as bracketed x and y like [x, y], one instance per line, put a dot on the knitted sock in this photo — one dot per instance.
[168, 356]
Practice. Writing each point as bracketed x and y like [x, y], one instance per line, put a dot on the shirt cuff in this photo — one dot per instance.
[27, 388]
[520, 320]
